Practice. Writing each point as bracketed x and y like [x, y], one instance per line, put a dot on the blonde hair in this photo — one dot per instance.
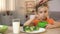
[46, 7]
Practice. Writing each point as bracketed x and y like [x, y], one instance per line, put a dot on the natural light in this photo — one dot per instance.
[2, 5]
[7, 5]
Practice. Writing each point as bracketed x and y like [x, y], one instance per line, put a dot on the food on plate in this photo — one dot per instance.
[42, 24]
[31, 28]
[26, 28]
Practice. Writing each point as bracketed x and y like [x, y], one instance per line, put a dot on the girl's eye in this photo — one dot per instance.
[45, 11]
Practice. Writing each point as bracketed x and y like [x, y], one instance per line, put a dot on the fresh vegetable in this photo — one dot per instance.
[30, 28]
[26, 28]
[42, 24]
[3, 28]
[36, 28]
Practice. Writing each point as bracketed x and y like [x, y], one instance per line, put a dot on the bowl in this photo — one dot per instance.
[3, 28]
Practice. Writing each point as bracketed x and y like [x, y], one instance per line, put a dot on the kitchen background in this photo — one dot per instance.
[10, 9]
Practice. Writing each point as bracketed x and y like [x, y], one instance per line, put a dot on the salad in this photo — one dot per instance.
[30, 28]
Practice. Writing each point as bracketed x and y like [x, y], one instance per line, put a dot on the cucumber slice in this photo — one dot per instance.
[26, 29]
[36, 28]
[32, 28]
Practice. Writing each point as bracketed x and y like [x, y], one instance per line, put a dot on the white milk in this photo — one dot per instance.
[16, 27]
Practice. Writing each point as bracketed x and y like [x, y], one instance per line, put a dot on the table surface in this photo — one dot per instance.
[49, 31]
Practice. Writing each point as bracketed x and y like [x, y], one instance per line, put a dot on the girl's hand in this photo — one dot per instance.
[49, 26]
[29, 22]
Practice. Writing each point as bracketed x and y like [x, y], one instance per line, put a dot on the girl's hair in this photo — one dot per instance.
[41, 5]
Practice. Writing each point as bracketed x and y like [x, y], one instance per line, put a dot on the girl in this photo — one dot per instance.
[41, 14]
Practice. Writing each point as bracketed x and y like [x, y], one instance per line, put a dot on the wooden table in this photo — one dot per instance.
[49, 31]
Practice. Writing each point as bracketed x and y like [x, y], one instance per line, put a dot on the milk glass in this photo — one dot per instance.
[16, 26]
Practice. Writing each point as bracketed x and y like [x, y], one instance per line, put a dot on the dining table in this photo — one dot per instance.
[48, 31]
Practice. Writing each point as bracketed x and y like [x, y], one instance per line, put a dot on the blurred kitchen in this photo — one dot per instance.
[10, 9]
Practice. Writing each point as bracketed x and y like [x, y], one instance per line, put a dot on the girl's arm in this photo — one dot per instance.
[28, 22]
[55, 25]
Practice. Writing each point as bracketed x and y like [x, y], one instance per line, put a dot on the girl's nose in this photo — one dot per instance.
[43, 14]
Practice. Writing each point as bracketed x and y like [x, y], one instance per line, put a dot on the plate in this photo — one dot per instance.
[38, 31]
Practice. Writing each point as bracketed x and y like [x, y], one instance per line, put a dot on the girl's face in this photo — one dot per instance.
[42, 12]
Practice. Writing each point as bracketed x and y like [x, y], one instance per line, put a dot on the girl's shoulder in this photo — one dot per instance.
[50, 20]
[35, 21]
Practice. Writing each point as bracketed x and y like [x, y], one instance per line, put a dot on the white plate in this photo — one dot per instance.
[38, 31]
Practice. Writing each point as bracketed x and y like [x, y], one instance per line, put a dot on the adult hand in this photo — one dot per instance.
[41, 2]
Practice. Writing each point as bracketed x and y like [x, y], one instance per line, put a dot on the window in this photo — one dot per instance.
[7, 5]
[11, 5]
[2, 5]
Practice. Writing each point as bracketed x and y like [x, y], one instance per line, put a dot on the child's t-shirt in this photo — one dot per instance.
[50, 21]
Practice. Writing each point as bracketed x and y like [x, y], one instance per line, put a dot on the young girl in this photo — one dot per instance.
[41, 14]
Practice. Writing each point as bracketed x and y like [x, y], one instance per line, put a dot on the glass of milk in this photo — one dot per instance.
[16, 26]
